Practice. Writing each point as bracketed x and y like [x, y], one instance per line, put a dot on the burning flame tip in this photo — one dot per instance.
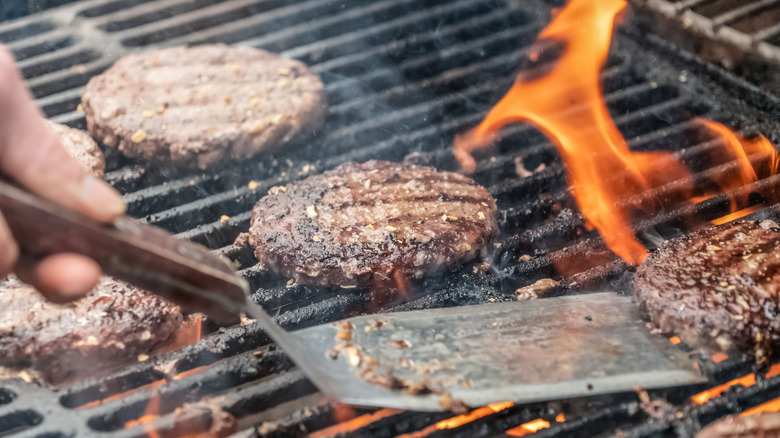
[567, 105]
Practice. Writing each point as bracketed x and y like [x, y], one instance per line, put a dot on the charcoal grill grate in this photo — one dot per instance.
[401, 77]
[742, 35]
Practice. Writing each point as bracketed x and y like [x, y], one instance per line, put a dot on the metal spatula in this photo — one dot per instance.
[519, 351]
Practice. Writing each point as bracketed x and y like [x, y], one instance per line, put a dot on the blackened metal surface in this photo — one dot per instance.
[402, 77]
[742, 36]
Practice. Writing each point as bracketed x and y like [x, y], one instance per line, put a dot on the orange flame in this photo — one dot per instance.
[460, 420]
[588, 140]
[476, 414]
[747, 380]
[529, 428]
[567, 105]
[770, 406]
[346, 426]
[152, 411]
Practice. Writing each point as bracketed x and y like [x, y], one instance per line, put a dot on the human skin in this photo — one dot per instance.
[31, 155]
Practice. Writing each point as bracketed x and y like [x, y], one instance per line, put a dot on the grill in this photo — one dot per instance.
[740, 35]
[402, 77]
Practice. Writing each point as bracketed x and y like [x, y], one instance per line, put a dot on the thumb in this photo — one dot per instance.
[32, 154]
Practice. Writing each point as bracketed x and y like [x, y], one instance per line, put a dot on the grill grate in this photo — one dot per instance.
[740, 35]
[402, 77]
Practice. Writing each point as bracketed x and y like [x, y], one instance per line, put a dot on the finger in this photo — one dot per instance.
[65, 277]
[33, 155]
[9, 251]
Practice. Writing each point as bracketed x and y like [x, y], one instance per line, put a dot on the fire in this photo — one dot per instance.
[155, 384]
[152, 411]
[346, 426]
[476, 414]
[719, 357]
[747, 380]
[770, 406]
[189, 333]
[460, 420]
[528, 428]
[567, 105]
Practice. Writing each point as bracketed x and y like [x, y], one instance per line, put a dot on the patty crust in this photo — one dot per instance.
[80, 146]
[718, 286]
[115, 322]
[361, 223]
[198, 106]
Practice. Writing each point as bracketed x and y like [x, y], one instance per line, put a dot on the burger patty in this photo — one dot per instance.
[115, 322]
[370, 222]
[197, 106]
[761, 425]
[80, 146]
[717, 286]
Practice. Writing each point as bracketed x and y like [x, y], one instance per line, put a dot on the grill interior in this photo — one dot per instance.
[402, 77]
[741, 35]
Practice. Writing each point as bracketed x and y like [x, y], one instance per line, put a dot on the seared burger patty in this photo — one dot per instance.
[720, 284]
[113, 323]
[202, 105]
[369, 222]
[80, 146]
[761, 425]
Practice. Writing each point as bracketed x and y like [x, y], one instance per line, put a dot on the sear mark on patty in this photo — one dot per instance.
[115, 322]
[717, 287]
[199, 106]
[368, 222]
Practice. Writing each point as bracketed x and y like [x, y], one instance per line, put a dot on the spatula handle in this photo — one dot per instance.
[181, 271]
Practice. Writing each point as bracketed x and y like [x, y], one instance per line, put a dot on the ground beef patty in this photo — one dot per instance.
[80, 146]
[369, 222]
[202, 105]
[113, 323]
[717, 286]
[761, 425]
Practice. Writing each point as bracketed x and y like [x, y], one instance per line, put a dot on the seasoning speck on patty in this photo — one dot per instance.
[719, 286]
[368, 222]
[115, 322]
[199, 106]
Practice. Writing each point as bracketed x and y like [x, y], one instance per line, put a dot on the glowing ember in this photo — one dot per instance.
[560, 418]
[567, 105]
[704, 396]
[460, 420]
[355, 423]
[675, 340]
[719, 357]
[155, 384]
[528, 428]
[152, 412]
[748, 380]
[770, 406]
[736, 215]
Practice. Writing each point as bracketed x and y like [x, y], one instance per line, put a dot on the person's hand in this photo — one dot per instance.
[33, 156]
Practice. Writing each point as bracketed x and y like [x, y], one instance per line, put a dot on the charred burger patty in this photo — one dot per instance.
[369, 222]
[202, 105]
[79, 145]
[113, 323]
[716, 286]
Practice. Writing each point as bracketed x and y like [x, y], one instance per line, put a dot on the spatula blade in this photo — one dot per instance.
[519, 351]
